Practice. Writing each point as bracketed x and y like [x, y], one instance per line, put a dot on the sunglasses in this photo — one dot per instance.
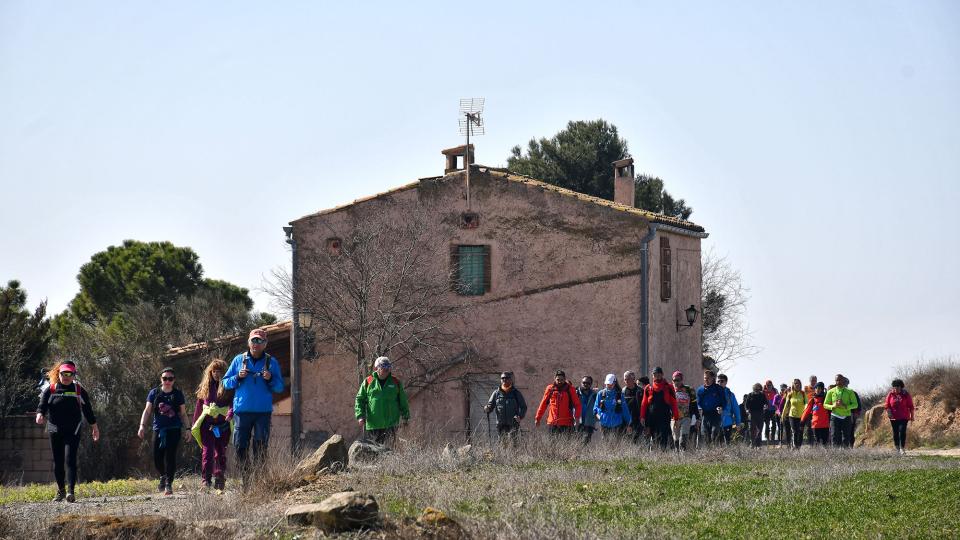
[504, 378]
[66, 373]
[258, 341]
[677, 380]
[167, 378]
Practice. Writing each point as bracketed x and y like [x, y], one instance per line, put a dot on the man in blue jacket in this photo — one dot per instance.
[254, 376]
[731, 409]
[711, 400]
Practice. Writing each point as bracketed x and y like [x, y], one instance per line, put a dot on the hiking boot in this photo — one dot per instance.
[163, 484]
[205, 484]
[60, 495]
[169, 491]
[218, 484]
[70, 497]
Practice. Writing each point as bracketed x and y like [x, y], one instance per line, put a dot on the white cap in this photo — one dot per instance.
[381, 362]
[611, 379]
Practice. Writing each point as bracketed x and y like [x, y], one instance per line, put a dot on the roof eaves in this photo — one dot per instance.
[387, 193]
[270, 329]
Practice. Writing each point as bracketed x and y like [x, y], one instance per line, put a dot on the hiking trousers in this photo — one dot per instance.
[822, 435]
[64, 446]
[757, 429]
[796, 428]
[841, 428]
[165, 443]
[213, 456]
[711, 427]
[899, 434]
[660, 433]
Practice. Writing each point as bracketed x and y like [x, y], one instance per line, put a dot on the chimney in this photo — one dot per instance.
[623, 186]
[452, 155]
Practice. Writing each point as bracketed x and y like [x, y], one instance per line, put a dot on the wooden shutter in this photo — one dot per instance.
[486, 269]
[666, 267]
[455, 268]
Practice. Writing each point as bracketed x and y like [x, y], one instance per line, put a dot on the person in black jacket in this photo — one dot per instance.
[63, 406]
[510, 407]
[756, 405]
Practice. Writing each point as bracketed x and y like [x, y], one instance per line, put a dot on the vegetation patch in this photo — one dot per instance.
[46, 492]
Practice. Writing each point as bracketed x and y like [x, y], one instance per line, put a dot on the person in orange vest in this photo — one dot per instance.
[563, 403]
[658, 407]
[817, 416]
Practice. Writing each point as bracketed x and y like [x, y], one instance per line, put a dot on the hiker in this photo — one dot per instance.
[840, 400]
[899, 407]
[254, 376]
[381, 404]
[211, 424]
[632, 395]
[731, 409]
[810, 390]
[510, 406]
[63, 406]
[563, 403]
[781, 401]
[587, 422]
[817, 416]
[711, 398]
[658, 408]
[794, 403]
[168, 407]
[776, 409]
[687, 407]
[757, 407]
[769, 416]
[611, 409]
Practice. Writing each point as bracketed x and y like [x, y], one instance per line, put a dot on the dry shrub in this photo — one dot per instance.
[940, 377]
[274, 476]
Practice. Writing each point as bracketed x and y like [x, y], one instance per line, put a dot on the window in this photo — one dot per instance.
[666, 267]
[470, 270]
[333, 246]
[469, 220]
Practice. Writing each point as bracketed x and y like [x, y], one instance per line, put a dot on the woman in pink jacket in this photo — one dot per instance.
[899, 406]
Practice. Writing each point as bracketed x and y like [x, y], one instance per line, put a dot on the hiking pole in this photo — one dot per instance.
[489, 433]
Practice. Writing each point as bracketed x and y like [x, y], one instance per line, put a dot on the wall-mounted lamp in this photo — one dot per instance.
[691, 313]
[305, 319]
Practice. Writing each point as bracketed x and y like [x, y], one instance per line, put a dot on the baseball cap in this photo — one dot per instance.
[677, 375]
[257, 332]
[610, 379]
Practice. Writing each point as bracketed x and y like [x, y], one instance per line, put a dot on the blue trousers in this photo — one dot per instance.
[256, 424]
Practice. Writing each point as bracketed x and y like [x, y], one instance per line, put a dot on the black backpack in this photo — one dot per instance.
[618, 407]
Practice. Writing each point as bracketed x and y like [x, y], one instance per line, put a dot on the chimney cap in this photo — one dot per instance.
[457, 150]
[622, 162]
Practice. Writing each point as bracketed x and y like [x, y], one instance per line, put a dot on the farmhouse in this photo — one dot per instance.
[541, 278]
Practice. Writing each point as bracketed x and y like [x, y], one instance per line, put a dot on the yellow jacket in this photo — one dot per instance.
[794, 403]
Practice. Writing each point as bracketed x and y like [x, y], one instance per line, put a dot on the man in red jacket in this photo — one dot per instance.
[563, 402]
[659, 405]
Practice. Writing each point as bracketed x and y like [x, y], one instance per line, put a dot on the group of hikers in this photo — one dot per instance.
[235, 402]
[658, 413]
[234, 399]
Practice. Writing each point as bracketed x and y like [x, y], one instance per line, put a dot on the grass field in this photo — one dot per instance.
[46, 492]
[733, 493]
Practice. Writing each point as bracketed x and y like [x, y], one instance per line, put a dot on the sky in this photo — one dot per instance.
[817, 142]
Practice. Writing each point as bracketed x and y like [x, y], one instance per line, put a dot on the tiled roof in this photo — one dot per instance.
[270, 329]
[521, 179]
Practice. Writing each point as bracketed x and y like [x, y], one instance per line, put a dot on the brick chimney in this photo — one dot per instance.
[623, 186]
[455, 153]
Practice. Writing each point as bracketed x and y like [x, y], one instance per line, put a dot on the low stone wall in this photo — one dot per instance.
[25, 454]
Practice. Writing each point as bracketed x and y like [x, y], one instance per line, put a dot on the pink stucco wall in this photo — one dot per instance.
[565, 294]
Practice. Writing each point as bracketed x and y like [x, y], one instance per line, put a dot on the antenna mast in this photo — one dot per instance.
[470, 122]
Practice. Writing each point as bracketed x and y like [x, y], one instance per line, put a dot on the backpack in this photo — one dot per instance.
[618, 406]
[53, 390]
[156, 397]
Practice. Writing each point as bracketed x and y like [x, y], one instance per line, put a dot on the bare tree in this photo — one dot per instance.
[726, 332]
[379, 290]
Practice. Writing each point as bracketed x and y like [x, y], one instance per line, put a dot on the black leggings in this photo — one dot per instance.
[64, 447]
[822, 435]
[165, 459]
[899, 433]
[796, 429]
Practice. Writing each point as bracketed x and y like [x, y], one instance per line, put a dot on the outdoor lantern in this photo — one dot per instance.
[305, 319]
[691, 315]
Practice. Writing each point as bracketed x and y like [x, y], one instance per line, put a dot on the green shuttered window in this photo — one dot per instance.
[470, 267]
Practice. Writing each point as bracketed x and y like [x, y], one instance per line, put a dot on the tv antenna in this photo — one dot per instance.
[471, 123]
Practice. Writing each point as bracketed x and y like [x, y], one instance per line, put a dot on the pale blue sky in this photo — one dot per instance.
[818, 142]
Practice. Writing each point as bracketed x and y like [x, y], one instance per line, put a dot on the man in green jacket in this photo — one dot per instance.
[380, 404]
[841, 401]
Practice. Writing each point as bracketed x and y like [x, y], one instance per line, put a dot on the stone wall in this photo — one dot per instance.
[25, 454]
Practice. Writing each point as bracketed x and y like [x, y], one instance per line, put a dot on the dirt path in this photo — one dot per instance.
[949, 452]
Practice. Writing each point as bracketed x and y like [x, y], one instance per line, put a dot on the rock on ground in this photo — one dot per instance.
[103, 527]
[365, 452]
[332, 455]
[342, 511]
